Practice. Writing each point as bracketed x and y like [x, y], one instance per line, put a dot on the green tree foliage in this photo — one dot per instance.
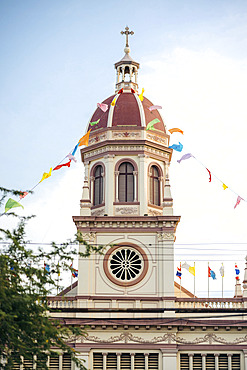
[26, 328]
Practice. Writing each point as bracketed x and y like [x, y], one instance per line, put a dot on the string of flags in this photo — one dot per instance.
[11, 203]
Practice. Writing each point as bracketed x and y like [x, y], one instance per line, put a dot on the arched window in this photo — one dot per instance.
[126, 182]
[154, 186]
[98, 186]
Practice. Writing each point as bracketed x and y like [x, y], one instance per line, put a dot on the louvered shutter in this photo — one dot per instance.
[197, 362]
[125, 361]
[66, 362]
[139, 361]
[223, 362]
[210, 362]
[154, 186]
[235, 362]
[111, 361]
[97, 361]
[54, 362]
[153, 361]
[28, 363]
[184, 361]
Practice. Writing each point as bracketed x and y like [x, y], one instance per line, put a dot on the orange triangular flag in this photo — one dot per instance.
[84, 139]
[175, 130]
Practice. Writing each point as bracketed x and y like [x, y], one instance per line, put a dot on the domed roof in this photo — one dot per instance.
[128, 112]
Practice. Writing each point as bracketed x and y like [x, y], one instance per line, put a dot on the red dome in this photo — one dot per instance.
[128, 112]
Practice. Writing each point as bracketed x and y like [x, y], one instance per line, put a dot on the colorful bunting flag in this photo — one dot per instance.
[120, 91]
[75, 149]
[191, 269]
[237, 269]
[102, 106]
[153, 107]
[172, 130]
[179, 273]
[74, 272]
[23, 194]
[46, 175]
[210, 176]
[141, 95]
[95, 122]
[11, 203]
[47, 268]
[224, 186]
[185, 156]
[62, 165]
[71, 157]
[150, 125]
[84, 139]
[133, 91]
[114, 101]
[211, 273]
[178, 147]
[238, 201]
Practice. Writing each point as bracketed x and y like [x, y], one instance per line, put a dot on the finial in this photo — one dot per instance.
[127, 33]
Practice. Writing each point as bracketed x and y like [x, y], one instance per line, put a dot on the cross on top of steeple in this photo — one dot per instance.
[127, 33]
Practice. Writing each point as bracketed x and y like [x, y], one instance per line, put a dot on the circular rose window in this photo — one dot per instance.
[125, 264]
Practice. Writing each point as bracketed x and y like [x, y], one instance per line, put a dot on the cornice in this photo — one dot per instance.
[163, 225]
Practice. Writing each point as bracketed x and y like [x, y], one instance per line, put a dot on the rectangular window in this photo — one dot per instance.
[210, 361]
[125, 361]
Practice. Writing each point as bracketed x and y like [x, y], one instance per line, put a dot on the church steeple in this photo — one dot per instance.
[127, 68]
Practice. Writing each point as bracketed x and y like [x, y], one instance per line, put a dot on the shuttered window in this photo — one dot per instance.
[125, 361]
[184, 361]
[126, 183]
[154, 186]
[210, 361]
[98, 186]
[54, 362]
[235, 362]
[66, 362]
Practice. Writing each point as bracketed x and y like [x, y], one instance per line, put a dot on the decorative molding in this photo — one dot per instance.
[158, 139]
[89, 237]
[165, 236]
[127, 210]
[154, 212]
[96, 139]
[168, 338]
[98, 212]
[126, 135]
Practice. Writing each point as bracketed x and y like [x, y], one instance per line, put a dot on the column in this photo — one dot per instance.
[135, 185]
[82, 356]
[34, 362]
[118, 361]
[146, 360]
[191, 361]
[104, 360]
[229, 361]
[169, 359]
[132, 357]
[61, 362]
[203, 361]
[116, 184]
[216, 359]
[109, 184]
[143, 196]
[123, 75]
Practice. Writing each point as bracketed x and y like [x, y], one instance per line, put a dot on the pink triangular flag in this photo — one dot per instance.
[102, 106]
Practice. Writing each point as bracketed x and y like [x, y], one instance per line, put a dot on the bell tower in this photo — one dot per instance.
[126, 202]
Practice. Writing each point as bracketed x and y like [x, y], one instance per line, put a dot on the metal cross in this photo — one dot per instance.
[127, 33]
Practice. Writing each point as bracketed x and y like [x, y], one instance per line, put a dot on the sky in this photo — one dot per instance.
[57, 62]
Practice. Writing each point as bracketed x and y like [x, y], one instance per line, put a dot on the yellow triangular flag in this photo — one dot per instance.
[141, 95]
[114, 101]
[46, 175]
[84, 139]
[224, 186]
[192, 270]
